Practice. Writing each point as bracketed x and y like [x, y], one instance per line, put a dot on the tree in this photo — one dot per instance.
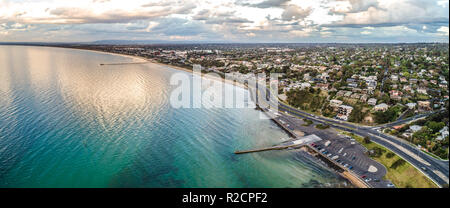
[367, 140]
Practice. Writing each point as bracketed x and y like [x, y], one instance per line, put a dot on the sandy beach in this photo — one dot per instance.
[206, 76]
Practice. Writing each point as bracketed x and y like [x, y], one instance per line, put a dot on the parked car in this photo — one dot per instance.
[364, 176]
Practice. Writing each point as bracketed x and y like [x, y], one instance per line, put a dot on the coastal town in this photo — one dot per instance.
[390, 98]
[366, 84]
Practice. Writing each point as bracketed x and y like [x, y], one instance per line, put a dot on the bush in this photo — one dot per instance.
[321, 126]
[377, 152]
[367, 140]
[307, 122]
[398, 163]
[390, 155]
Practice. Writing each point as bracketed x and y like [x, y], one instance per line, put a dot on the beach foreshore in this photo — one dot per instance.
[206, 76]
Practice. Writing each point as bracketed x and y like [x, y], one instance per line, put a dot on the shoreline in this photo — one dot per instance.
[152, 61]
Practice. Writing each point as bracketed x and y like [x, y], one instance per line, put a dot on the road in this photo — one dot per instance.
[435, 169]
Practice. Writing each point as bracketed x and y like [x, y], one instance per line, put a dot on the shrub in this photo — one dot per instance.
[321, 126]
[367, 140]
[398, 163]
[390, 155]
[377, 152]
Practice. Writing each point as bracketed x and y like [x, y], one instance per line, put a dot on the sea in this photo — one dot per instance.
[78, 118]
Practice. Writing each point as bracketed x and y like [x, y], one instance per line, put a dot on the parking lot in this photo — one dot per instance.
[344, 150]
[352, 156]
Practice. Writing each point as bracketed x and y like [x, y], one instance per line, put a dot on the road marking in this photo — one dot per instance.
[441, 175]
[372, 169]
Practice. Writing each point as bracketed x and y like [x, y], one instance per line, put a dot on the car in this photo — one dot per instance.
[329, 155]
[353, 158]
[363, 176]
[424, 168]
[338, 161]
[350, 167]
[346, 165]
[390, 185]
[368, 180]
[377, 180]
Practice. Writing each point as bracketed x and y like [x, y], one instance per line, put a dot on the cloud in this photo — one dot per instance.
[443, 30]
[268, 4]
[93, 11]
[294, 12]
[214, 17]
[226, 20]
[399, 12]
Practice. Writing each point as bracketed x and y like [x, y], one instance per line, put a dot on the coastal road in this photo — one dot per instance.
[435, 169]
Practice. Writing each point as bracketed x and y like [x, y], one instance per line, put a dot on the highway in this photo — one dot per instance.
[435, 169]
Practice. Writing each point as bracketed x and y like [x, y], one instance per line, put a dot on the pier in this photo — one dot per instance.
[124, 63]
[279, 147]
[305, 142]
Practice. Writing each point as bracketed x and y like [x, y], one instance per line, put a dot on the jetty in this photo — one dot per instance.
[305, 143]
[124, 63]
[293, 143]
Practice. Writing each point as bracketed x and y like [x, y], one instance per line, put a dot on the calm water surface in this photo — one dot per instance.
[66, 121]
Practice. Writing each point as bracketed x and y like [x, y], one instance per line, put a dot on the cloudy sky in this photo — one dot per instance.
[225, 20]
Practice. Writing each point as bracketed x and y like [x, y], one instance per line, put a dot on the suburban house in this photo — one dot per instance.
[424, 105]
[335, 103]
[344, 112]
[381, 107]
[372, 101]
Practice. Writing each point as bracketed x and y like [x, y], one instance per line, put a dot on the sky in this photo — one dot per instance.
[301, 21]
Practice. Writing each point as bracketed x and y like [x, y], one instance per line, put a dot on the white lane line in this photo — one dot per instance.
[441, 175]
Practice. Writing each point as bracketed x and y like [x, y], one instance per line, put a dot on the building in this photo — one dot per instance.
[335, 103]
[424, 105]
[395, 94]
[411, 105]
[381, 107]
[344, 112]
[422, 90]
[372, 101]
[444, 133]
[415, 128]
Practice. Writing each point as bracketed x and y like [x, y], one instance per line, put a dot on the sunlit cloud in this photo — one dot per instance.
[226, 20]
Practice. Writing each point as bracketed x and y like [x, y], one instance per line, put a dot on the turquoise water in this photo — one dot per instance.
[67, 121]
